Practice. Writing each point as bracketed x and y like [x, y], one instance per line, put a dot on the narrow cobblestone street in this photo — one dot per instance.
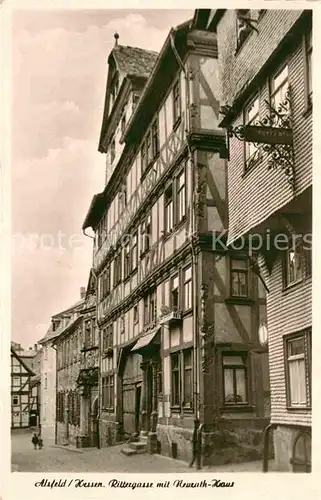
[54, 459]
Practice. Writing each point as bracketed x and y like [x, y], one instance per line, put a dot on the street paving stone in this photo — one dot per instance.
[52, 459]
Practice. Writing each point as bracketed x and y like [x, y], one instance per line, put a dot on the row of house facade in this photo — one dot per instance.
[186, 320]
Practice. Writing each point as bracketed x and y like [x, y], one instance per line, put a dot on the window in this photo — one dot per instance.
[136, 314]
[112, 151]
[108, 392]
[175, 293]
[298, 369]
[279, 89]
[176, 102]
[294, 261]
[146, 234]
[149, 150]
[16, 382]
[308, 50]
[181, 197]
[107, 280]
[187, 382]
[239, 278]
[126, 261]
[108, 337]
[175, 379]
[150, 308]
[155, 138]
[15, 400]
[143, 158]
[169, 222]
[235, 378]
[117, 269]
[60, 407]
[134, 252]
[187, 273]
[251, 115]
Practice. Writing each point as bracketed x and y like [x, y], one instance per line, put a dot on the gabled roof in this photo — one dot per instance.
[74, 320]
[134, 61]
[52, 334]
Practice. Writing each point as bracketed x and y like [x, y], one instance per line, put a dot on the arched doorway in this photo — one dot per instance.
[301, 455]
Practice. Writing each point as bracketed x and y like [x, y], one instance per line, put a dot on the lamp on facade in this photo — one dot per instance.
[263, 334]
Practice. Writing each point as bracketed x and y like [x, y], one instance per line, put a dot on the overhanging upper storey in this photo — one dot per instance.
[95, 211]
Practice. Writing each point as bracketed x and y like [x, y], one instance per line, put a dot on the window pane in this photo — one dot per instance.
[175, 283]
[188, 386]
[187, 273]
[240, 386]
[280, 78]
[296, 346]
[232, 360]
[302, 381]
[228, 386]
[239, 264]
[294, 382]
[239, 284]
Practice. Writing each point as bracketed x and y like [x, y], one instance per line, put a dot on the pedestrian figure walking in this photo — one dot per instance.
[35, 441]
[40, 443]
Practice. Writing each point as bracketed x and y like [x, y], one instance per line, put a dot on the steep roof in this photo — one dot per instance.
[134, 61]
[52, 334]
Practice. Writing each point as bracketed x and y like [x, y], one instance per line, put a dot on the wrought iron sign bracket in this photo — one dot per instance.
[272, 135]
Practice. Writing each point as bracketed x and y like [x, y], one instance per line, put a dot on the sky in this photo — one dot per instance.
[59, 72]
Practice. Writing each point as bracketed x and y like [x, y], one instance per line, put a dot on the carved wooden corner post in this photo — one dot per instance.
[144, 367]
[152, 436]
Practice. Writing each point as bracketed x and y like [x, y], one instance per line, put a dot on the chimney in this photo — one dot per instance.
[82, 292]
[36, 347]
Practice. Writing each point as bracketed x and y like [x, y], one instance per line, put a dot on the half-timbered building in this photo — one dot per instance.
[21, 393]
[77, 375]
[178, 314]
[266, 86]
[48, 375]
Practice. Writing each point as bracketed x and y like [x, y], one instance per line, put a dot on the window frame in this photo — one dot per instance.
[245, 271]
[251, 158]
[108, 395]
[169, 209]
[306, 334]
[146, 234]
[175, 369]
[187, 284]
[173, 290]
[286, 271]
[180, 191]
[273, 91]
[187, 404]
[244, 355]
[177, 102]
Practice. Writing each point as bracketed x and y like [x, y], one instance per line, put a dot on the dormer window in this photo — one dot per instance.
[135, 100]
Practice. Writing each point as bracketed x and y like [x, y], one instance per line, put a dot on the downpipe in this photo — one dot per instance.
[266, 435]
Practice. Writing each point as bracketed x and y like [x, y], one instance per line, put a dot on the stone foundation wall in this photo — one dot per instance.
[109, 432]
[238, 442]
[284, 438]
[174, 441]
